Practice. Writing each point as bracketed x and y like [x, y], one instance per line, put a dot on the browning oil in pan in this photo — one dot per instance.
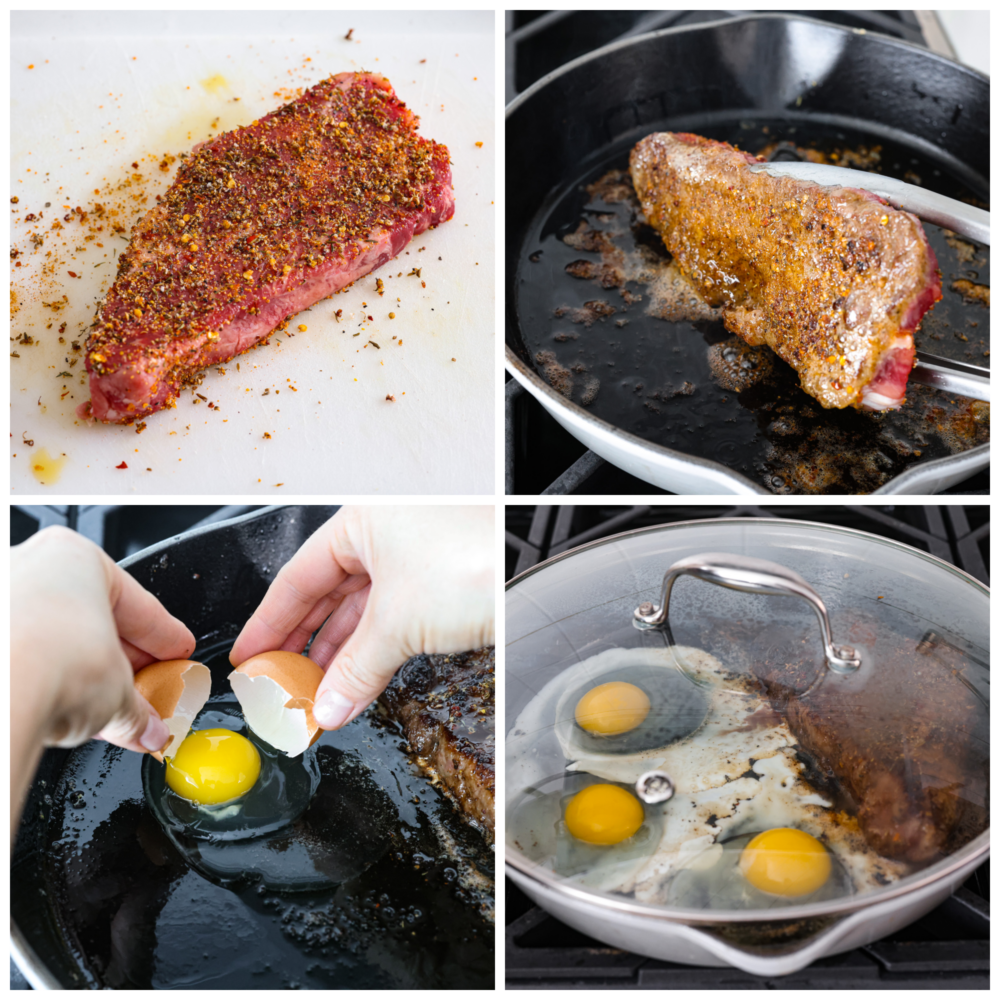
[135, 915]
[609, 322]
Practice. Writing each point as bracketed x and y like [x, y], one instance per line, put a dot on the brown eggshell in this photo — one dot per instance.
[177, 690]
[298, 678]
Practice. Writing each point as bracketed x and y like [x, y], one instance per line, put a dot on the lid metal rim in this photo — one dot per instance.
[832, 528]
[976, 850]
[979, 847]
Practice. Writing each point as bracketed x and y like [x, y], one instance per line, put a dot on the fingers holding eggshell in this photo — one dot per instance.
[307, 580]
[177, 690]
[136, 726]
[338, 628]
[276, 692]
[143, 623]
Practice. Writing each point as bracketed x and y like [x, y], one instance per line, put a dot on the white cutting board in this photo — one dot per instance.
[108, 90]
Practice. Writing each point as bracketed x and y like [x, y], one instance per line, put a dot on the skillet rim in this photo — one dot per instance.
[977, 848]
[908, 482]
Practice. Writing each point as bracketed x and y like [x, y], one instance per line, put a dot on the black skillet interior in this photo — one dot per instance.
[764, 83]
[105, 901]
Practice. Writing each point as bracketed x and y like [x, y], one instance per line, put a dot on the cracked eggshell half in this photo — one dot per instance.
[276, 692]
[178, 690]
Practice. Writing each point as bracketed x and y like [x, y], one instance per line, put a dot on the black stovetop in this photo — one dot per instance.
[542, 458]
[946, 949]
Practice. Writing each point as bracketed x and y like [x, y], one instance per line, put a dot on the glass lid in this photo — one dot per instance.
[744, 715]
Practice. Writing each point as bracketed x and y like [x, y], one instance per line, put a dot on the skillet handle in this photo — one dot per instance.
[754, 576]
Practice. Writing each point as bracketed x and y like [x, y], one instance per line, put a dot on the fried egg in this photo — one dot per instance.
[604, 814]
[612, 709]
[736, 772]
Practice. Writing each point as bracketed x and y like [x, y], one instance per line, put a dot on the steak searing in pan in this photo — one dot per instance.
[445, 705]
[832, 279]
[613, 324]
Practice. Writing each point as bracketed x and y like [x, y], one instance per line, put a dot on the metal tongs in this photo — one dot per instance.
[956, 377]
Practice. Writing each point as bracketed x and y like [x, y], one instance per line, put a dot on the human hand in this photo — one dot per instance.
[81, 627]
[388, 582]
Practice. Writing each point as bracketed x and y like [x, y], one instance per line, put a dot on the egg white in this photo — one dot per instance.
[730, 777]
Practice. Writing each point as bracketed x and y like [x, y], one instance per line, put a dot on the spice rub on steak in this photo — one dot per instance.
[832, 279]
[445, 705]
[260, 223]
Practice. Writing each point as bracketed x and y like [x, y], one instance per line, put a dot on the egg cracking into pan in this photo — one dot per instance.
[744, 829]
[313, 819]
[245, 773]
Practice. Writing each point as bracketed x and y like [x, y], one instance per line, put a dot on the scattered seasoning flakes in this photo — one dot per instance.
[347, 37]
[124, 465]
[391, 399]
[452, 359]
[377, 348]
[379, 287]
[279, 484]
[267, 437]
[479, 145]
[302, 328]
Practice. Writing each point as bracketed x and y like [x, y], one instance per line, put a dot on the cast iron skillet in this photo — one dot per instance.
[81, 916]
[751, 80]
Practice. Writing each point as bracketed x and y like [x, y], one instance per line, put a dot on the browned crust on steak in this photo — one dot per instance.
[910, 745]
[445, 704]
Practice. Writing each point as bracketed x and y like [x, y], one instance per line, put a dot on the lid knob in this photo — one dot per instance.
[754, 576]
[654, 786]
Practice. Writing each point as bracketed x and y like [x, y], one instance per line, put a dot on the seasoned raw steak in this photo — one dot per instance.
[831, 278]
[445, 705]
[261, 223]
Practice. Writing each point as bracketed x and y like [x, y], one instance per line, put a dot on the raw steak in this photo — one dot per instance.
[261, 223]
[832, 279]
[445, 705]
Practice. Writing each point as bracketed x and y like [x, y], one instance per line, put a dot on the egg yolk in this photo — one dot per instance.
[613, 708]
[213, 766]
[786, 862]
[604, 814]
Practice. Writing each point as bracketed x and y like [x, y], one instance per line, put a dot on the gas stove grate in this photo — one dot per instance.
[946, 949]
[957, 534]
